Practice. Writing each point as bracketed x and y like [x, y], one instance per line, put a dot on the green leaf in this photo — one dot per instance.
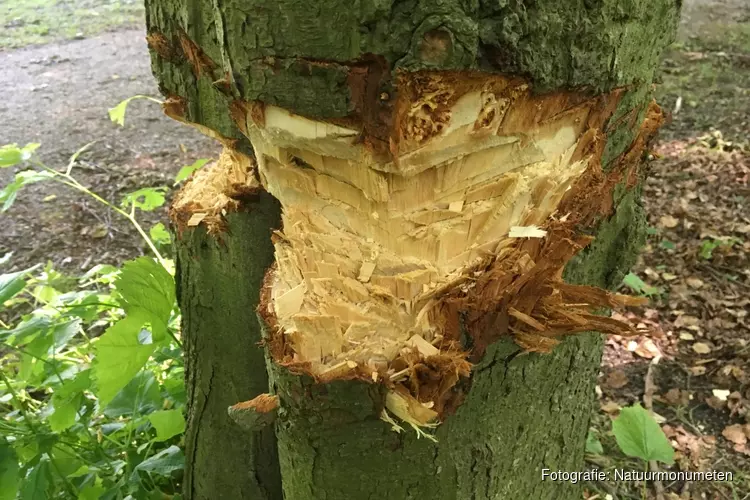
[91, 492]
[146, 199]
[117, 114]
[638, 435]
[12, 283]
[636, 284]
[63, 332]
[667, 245]
[119, 356]
[35, 352]
[188, 170]
[159, 234]
[37, 481]
[146, 288]
[140, 396]
[11, 154]
[593, 445]
[163, 463]
[67, 400]
[168, 423]
[9, 477]
[174, 384]
[9, 192]
[26, 330]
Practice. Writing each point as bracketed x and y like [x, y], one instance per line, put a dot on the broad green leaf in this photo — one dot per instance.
[63, 332]
[636, 284]
[26, 330]
[82, 471]
[12, 283]
[159, 234]
[140, 396]
[168, 423]
[175, 385]
[9, 477]
[8, 193]
[119, 356]
[91, 492]
[146, 288]
[188, 170]
[638, 435]
[32, 359]
[36, 482]
[593, 445]
[67, 400]
[146, 199]
[64, 414]
[11, 154]
[163, 463]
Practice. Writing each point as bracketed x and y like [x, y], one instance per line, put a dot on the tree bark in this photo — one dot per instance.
[353, 111]
[218, 283]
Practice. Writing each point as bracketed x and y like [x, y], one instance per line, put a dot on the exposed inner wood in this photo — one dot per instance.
[214, 190]
[368, 245]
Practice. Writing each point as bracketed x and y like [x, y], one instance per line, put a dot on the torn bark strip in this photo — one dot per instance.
[381, 256]
[255, 414]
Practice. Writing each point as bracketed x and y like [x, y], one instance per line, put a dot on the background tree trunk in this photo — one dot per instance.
[220, 63]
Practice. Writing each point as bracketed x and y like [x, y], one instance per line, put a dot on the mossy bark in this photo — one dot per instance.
[218, 282]
[523, 412]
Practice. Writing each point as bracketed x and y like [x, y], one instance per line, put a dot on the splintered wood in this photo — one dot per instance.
[213, 191]
[380, 253]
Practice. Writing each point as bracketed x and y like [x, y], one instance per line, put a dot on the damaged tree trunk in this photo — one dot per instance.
[459, 187]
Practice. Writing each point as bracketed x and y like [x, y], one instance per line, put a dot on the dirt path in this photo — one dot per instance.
[59, 97]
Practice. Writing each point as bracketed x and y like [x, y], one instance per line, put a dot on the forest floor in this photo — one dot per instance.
[694, 365]
[68, 61]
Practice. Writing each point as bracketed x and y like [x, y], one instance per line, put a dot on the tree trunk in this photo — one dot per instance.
[218, 282]
[459, 185]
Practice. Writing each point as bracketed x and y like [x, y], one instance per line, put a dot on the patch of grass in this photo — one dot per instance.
[29, 22]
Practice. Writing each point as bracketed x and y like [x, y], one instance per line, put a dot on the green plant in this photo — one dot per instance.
[639, 286]
[638, 435]
[708, 246]
[91, 372]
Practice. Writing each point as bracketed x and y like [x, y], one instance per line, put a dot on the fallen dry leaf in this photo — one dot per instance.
[735, 434]
[686, 320]
[610, 407]
[677, 397]
[698, 370]
[668, 221]
[617, 379]
[647, 349]
[694, 282]
[701, 348]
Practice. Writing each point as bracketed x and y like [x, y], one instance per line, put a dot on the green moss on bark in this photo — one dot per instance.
[296, 54]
